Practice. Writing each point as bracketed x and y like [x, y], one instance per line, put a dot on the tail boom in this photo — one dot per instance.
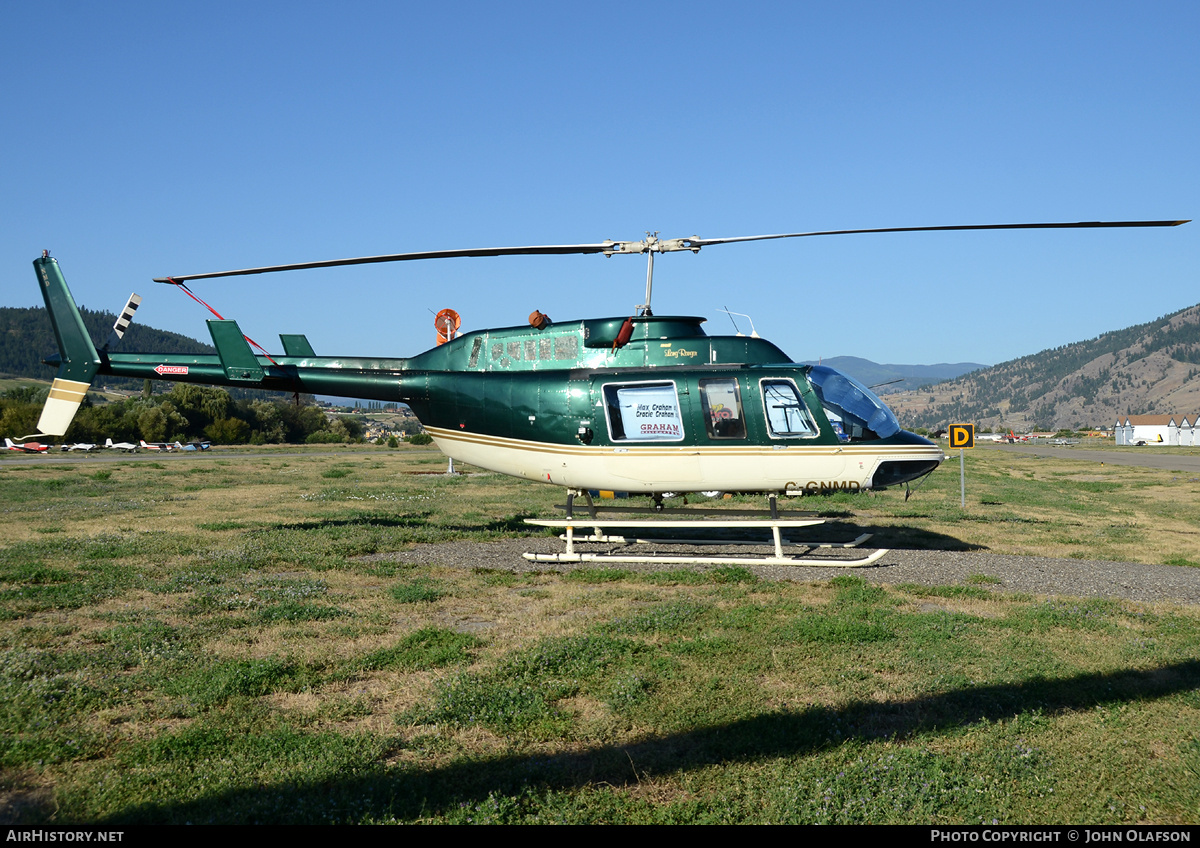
[300, 370]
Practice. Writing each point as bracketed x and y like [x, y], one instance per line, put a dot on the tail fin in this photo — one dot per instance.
[77, 355]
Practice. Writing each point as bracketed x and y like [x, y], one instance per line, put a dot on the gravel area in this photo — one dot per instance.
[1036, 575]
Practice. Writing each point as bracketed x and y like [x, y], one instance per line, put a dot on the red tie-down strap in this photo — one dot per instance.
[220, 317]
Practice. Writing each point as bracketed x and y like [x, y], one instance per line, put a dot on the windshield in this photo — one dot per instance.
[853, 410]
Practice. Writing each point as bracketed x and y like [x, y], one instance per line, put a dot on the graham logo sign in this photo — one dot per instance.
[962, 435]
[170, 369]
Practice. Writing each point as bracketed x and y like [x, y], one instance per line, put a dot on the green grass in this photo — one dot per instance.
[425, 649]
[249, 653]
[206, 685]
[944, 591]
[522, 694]
[417, 591]
[669, 617]
[984, 579]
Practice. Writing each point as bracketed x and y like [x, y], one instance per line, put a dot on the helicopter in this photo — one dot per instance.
[638, 403]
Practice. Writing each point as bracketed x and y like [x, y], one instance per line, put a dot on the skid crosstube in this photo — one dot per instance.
[597, 522]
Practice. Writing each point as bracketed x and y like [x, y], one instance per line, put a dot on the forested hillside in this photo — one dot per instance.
[26, 338]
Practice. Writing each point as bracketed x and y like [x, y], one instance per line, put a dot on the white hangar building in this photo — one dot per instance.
[1157, 430]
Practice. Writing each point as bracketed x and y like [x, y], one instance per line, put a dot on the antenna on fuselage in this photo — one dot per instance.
[736, 329]
[753, 332]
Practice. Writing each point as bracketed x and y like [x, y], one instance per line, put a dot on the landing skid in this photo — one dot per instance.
[714, 519]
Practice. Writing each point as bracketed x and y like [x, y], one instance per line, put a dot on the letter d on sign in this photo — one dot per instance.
[962, 436]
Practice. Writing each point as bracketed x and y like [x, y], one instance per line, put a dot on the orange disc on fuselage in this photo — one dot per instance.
[447, 323]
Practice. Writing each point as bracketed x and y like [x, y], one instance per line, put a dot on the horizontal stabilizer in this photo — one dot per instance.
[239, 362]
[296, 345]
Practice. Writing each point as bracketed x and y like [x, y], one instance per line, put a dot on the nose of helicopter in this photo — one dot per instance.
[893, 472]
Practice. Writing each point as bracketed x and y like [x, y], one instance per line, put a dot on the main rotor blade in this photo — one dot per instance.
[549, 249]
[694, 242]
[651, 243]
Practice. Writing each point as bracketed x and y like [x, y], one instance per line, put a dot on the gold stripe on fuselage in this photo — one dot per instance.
[932, 451]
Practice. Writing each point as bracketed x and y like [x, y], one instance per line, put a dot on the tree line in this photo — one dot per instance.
[185, 413]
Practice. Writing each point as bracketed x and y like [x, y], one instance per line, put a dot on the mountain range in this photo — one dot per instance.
[885, 379]
[1147, 369]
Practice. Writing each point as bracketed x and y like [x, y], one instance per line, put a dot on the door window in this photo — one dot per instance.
[643, 412]
[722, 403]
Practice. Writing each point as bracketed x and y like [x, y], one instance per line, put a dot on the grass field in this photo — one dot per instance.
[207, 639]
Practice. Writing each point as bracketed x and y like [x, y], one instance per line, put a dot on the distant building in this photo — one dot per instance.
[1177, 429]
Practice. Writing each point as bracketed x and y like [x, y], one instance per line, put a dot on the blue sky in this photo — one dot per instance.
[146, 139]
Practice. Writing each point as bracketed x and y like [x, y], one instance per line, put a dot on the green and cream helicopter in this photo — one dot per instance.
[643, 403]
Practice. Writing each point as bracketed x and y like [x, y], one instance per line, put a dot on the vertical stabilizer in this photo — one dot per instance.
[79, 360]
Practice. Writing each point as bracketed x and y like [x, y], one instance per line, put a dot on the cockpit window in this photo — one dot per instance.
[787, 416]
[856, 414]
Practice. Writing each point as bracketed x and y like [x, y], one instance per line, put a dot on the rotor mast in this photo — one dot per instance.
[645, 307]
[651, 245]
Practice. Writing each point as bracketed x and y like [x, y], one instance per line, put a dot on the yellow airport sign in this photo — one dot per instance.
[962, 435]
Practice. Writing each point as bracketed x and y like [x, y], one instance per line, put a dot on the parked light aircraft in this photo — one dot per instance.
[26, 447]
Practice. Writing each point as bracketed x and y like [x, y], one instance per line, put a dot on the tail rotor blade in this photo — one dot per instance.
[123, 320]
